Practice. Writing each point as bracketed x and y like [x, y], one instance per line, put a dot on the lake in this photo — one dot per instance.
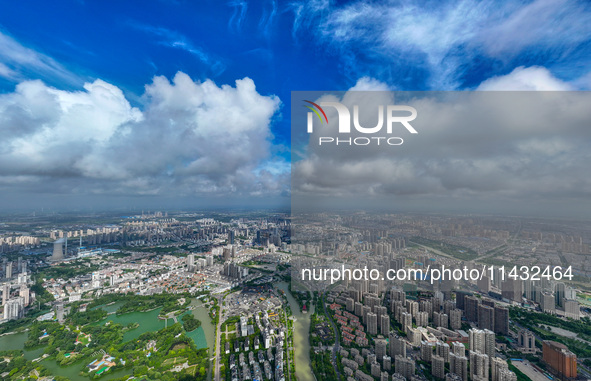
[204, 337]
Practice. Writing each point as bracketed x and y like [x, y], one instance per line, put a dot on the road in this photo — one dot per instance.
[337, 345]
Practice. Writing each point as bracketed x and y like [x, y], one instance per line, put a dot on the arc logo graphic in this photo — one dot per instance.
[392, 116]
[316, 112]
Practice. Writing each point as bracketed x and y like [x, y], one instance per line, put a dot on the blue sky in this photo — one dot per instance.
[280, 46]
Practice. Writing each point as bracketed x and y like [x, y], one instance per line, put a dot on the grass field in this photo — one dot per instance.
[174, 360]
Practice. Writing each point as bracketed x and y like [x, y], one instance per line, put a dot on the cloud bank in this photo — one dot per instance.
[191, 139]
[473, 148]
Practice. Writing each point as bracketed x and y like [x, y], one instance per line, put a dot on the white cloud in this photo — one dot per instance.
[238, 15]
[192, 138]
[27, 61]
[176, 40]
[7, 72]
[549, 23]
[533, 78]
[445, 38]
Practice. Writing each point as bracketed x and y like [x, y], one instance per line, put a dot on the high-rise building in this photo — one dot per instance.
[25, 294]
[387, 363]
[426, 306]
[227, 254]
[572, 309]
[372, 323]
[14, 308]
[385, 325]
[548, 303]
[350, 304]
[459, 366]
[460, 299]
[496, 365]
[484, 284]
[489, 343]
[482, 341]
[455, 319]
[426, 351]
[8, 271]
[448, 305]
[398, 295]
[412, 307]
[458, 348]
[422, 319]
[440, 319]
[374, 288]
[562, 361]
[559, 293]
[477, 340]
[397, 346]
[436, 319]
[190, 261]
[529, 290]
[478, 365]
[380, 310]
[375, 370]
[501, 320]
[406, 320]
[5, 293]
[404, 366]
[372, 301]
[471, 308]
[570, 293]
[366, 310]
[443, 350]
[438, 367]
[381, 346]
[486, 317]
[358, 309]
[512, 289]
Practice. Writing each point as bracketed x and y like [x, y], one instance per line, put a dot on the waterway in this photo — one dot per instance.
[204, 337]
[301, 337]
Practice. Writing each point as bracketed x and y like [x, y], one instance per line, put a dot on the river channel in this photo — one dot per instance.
[301, 336]
[204, 337]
